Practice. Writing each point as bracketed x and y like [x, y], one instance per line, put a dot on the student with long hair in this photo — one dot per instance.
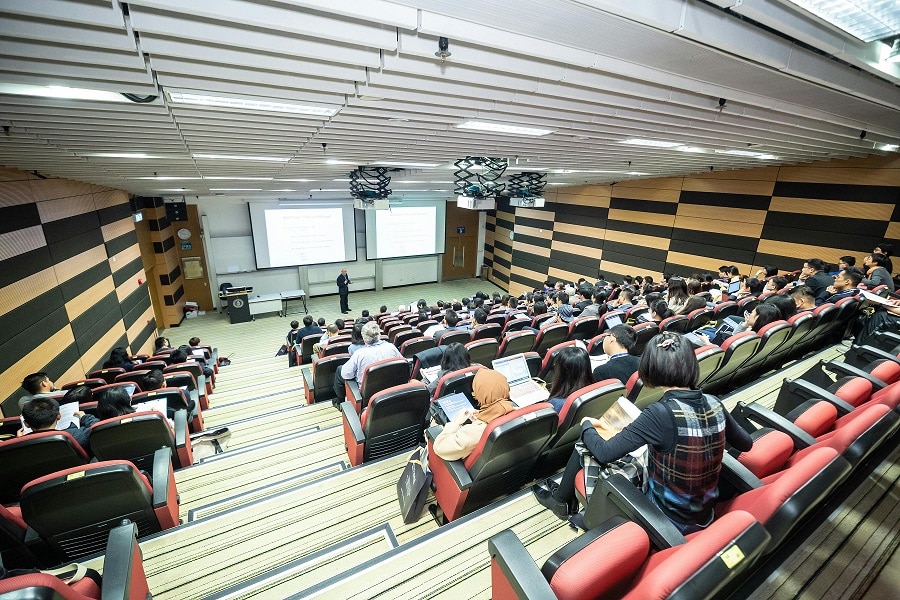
[571, 372]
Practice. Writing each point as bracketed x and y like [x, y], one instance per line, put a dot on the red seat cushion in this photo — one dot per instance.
[817, 419]
[854, 391]
[768, 454]
[887, 371]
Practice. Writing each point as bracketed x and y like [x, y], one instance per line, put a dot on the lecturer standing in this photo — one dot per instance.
[343, 281]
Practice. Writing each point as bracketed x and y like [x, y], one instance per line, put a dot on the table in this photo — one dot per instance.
[287, 297]
[265, 303]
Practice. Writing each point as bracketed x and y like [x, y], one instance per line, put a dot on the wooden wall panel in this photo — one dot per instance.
[59, 311]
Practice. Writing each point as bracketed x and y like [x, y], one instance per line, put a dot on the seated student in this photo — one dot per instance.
[309, 328]
[449, 323]
[659, 312]
[693, 303]
[161, 346]
[564, 314]
[617, 345]
[454, 358]
[480, 316]
[196, 350]
[373, 350]
[42, 414]
[598, 305]
[845, 285]
[685, 431]
[677, 294]
[843, 263]
[584, 298]
[356, 338]
[751, 286]
[155, 380]
[804, 298]
[886, 248]
[623, 300]
[766, 272]
[114, 402]
[458, 438]
[118, 359]
[191, 357]
[38, 385]
[755, 320]
[814, 277]
[785, 305]
[775, 284]
[877, 273]
[330, 332]
[571, 372]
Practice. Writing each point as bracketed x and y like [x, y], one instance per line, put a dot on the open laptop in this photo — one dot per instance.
[613, 320]
[523, 390]
[733, 287]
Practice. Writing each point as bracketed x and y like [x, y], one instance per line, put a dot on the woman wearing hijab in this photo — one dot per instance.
[457, 440]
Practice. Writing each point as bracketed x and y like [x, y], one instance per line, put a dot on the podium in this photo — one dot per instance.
[238, 307]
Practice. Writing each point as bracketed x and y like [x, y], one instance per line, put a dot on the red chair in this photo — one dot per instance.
[136, 377]
[676, 323]
[107, 375]
[616, 560]
[644, 332]
[204, 384]
[501, 464]
[74, 510]
[591, 401]
[550, 336]
[546, 373]
[123, 575]
[698, 318]
[137, 436]
[455, 336]
[91, 383]
[378, 376]
[318, 381]
[411, 347]
[458, 382]
[403, 336]
[726, 309]
[393, 421]
[32, 456]
[306, 347]
[516, 343]
[334, 348]
[482, 351]
[487, 331]
[176, 399]
[583, 328]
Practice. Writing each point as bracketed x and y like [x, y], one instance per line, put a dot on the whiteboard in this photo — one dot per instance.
[231, 252]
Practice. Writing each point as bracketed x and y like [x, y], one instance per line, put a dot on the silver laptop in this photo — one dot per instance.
[523, 390]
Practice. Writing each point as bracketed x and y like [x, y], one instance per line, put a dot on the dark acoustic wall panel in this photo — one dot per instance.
[59, 308]
[694, 224]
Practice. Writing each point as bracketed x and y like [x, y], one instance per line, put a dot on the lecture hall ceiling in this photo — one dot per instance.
[592, 73]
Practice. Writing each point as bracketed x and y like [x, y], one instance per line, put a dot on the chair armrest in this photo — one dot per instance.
[739, 477]
[123, 565]
[352, 422]
[162, 467]
[761, 415]
[888, 339]
[521, 577]
[860, 356]
[618, 496]
[842, 368]
[181, 432]
[792, 389]
[352, 387]
[457, 471]
[433, 432]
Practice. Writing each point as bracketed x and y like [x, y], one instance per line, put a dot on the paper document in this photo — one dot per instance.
[66, 417]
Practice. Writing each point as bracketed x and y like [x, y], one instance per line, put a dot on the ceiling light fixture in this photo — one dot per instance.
[300, 180]
[238, 178]
[693, 149]
[889, 147]
[168, 178]
[749, 154]
[260, 104]
[501, 128]
[235, 189]
[280, 159]
[334, 161]
[869, 21]
[396, 163]
[141, 155]
[651, 143]
[59, 91]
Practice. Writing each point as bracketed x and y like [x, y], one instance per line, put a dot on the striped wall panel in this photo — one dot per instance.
[67, 256]
[694, 224]
[169, 279]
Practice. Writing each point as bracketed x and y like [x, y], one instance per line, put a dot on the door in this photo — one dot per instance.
[461, 248]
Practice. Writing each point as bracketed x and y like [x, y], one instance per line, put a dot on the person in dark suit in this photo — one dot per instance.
[621, 365]
[814, 277]
[343, 283]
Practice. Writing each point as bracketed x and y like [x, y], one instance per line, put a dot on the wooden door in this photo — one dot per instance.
[461, 248]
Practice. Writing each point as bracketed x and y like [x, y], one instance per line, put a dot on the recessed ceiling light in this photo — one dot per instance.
[284, 190]
[342, 179]
[368, 98]
[59, 91]
[693, 149]
[302, 180]
[240, 157]
[502, 128]
[168, 178]
[334, 161]
[398, 120]
[239, 178]
[748, 153]
[889, 147]
[635, 173]
[235, 189]
[329, 190]
[245, 103]
[868, 21]
[651, 143]
[174, 190]
[397, 163]
[556, 183]
[119, 155]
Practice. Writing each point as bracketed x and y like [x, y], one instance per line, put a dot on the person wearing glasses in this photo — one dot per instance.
[814, 277]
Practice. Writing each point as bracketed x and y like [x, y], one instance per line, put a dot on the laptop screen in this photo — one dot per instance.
[613, 320]
[514, 368]
[734, 286]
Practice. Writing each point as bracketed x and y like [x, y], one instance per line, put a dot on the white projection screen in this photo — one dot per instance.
[413, 228]
[298, 233]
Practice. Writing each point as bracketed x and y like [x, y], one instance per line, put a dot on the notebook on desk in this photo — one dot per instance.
[523, 390]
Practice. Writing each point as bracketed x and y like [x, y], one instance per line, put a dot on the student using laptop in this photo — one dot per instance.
[459, 438]
[571, 372]
[523, 389]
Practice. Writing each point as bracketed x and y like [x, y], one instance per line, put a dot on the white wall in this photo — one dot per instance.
[229, 245]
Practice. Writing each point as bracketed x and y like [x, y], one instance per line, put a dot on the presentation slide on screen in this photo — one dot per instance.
[302, 235]
[413, 229]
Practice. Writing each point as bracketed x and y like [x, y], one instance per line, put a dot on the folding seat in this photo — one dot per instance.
[746, 305]
[771, 337]
[394, 329]
[709, 359]
[536, 321]
[516, 343]
[26, 458]
[107, 375]
[595, 344]
[204, 384]
[880, 372]
[393, 421]
[129, 386]
[319, 379]
[137, 436]
[848, 311]
[801, 324]
[726, 309]
[176, 399]
[871, 358]
[676, 323]
[424, 325]
[123, 575]
[611, 316]
[91, 383]
[483, 351]
[634, 312]
[334, 349]
[306, 347]
[154, 364]
[379, 375]
[458, 382]
[644, 332]
[779, 501]
[487, 331]
[698, 318]
[616, 560]
[825, 319]
[738, 349]
[534, 361]
[583, 328]
[136, 376]
[185, 380]
[410, 348]
[501, 464]
[402, 336]
[591, 401]
[641, 395]
[455, 336]
[549, 360]
[550, 336]
[496, 318]
[75, 509]
[515, 322]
